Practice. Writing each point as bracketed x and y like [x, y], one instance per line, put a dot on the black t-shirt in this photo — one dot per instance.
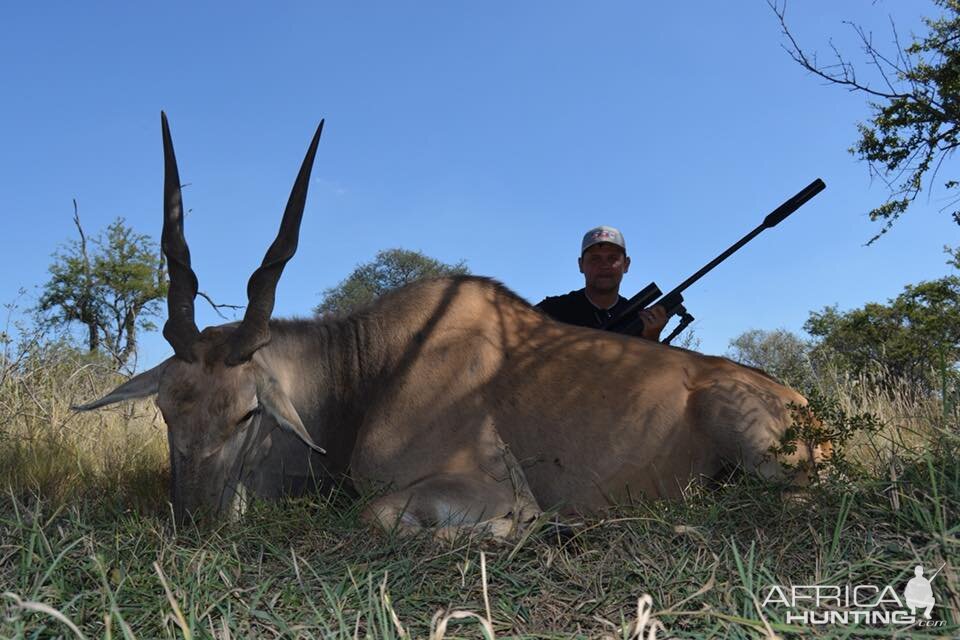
[576, 308]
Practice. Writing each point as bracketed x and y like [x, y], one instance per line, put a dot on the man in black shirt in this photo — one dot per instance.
[603, 261]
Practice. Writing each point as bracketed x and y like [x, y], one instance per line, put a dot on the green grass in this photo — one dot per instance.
[87, 547]
[310, 569]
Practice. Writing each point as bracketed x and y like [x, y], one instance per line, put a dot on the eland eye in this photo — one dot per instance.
[248, 415]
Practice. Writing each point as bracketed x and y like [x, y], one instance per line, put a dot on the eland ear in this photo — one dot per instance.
[140, 386]
[276, 402]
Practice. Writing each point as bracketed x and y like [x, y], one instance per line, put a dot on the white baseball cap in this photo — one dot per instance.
[602, 234]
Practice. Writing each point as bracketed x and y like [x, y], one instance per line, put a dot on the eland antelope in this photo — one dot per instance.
[454, 398]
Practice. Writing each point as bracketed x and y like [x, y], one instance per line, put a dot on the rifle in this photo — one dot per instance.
[629, 322]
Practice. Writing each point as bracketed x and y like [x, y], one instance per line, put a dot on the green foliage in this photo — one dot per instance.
[911, 342]
[781, 353]
[824, 423]
[391, 268]
[908, 336]
[112, 285]
[914, 102]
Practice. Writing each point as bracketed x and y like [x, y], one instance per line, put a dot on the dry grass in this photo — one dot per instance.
[909, 420]
[65, 456]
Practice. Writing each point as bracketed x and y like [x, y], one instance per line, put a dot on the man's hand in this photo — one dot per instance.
[654, 320]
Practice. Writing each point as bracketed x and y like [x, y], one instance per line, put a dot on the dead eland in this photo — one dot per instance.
[453, 397]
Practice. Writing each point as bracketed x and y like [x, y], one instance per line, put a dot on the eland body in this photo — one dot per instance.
[454, 398]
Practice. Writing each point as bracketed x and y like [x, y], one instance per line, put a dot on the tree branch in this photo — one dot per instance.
[847, 76]
[217, 307]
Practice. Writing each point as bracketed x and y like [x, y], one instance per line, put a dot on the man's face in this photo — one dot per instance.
[603, 266]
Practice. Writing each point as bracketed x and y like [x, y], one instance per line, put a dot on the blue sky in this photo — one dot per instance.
[492, 132]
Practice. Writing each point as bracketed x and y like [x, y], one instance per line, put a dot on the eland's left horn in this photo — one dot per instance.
[180, 329]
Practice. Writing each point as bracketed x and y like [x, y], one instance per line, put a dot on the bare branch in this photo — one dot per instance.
[845, 77]
[902, 58]
[877, 59]
[944, 152]
[76, 221]
[217, 307]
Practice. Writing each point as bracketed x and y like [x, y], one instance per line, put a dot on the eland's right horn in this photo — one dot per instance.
[254, 331]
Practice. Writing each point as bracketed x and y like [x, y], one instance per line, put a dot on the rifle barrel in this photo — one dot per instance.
[774, 218]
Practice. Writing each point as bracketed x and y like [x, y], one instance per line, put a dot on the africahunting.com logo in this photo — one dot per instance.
[866, 604]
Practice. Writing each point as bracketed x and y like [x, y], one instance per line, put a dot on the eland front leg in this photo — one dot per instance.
[495, 501]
